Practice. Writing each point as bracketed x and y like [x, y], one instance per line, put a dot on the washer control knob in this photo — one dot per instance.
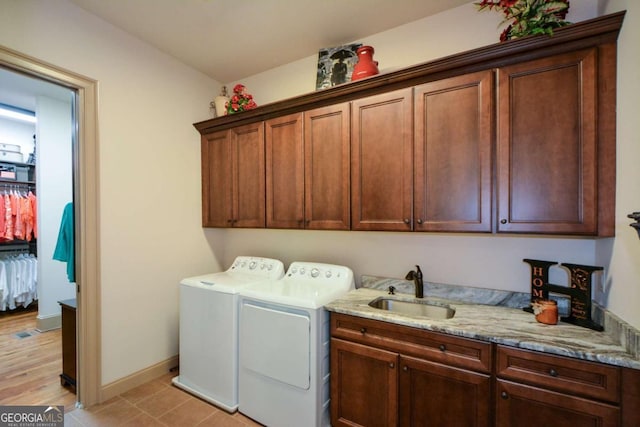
[315, 272]
[328, 274]
[302, 271]
[253, 265]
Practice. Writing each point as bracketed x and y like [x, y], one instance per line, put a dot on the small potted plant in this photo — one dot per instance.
[528, 17]
[240, 101]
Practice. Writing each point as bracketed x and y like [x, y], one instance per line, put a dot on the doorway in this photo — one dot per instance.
[85, 211]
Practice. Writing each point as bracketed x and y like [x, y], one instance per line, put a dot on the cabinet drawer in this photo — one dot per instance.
[578, 377]
[454, 351]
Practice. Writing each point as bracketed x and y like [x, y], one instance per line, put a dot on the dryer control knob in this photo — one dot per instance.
[253, 265]
[328, 274]
[315, 272]
[302, 271]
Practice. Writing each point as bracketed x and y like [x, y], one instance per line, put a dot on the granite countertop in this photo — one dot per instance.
[494, 316]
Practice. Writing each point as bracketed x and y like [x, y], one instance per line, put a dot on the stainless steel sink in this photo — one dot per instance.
[417, 308]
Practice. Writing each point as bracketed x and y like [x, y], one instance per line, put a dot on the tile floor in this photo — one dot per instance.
[157, 403]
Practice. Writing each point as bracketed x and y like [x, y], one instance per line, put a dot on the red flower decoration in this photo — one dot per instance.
[240, 101]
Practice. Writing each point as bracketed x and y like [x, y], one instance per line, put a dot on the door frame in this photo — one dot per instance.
[87, 250]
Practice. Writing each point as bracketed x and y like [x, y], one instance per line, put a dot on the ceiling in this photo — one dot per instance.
[229, 40]
[20, 91]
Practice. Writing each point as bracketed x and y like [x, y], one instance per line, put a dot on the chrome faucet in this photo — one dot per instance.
[416, 276]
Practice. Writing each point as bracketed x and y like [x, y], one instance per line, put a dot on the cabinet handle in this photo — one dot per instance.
[392, 365]
[406, 220]
[363, 331]
[419, 221]
[504, 395]
[553, 372]
[405, 368]
[442, 347]
[503, 221]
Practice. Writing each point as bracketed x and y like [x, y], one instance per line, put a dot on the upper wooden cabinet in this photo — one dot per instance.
[382, 162]
[327, 182]
[308, 171]
[285, 172]
[453, 137]
[233, 187]
[547, 145]
[515, 137]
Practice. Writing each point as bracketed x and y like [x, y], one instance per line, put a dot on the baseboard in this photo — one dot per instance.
[48, 323]
[138, 378]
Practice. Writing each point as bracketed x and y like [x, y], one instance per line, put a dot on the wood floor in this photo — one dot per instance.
[30, 363]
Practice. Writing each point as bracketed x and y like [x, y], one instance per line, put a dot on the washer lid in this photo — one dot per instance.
[244, 270]
[306, 285]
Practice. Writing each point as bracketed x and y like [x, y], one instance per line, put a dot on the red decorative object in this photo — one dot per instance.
[366, 66]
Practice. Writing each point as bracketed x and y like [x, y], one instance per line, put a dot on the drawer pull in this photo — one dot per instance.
[442, 347]
[363, 331]
[553, 372]
[504, 395]
[406, 221]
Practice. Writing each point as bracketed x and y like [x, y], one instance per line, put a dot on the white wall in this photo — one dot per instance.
[472, 260]
[149, 172]
[54, 189]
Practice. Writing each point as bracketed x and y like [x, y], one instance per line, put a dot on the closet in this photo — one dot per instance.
[18, 230]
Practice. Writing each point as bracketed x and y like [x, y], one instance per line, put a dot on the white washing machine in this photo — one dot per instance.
[209, 329]
[284, 345]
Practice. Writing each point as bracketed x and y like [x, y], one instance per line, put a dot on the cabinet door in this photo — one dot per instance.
[327, 162]
[440, 395]
[522, 405]
[364, 385]
[453, 135]
[547, 164]
[285, 172]
[382, 162]
[247, 160]
[216, 180]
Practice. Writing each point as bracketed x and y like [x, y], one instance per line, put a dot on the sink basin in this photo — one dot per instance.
[417, 308]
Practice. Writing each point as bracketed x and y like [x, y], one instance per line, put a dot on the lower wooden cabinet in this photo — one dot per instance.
[440, 395]
[384, 374]
[364, 385]
[524, 405]
[410, 378]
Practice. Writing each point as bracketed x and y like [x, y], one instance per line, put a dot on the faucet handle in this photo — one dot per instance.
[391, 290]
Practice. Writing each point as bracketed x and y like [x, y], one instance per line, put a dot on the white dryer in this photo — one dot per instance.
[284, 345]
[209, 329]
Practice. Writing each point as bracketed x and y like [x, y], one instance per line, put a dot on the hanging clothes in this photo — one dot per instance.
[18, 281]
[18, 218]
[65, 246]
